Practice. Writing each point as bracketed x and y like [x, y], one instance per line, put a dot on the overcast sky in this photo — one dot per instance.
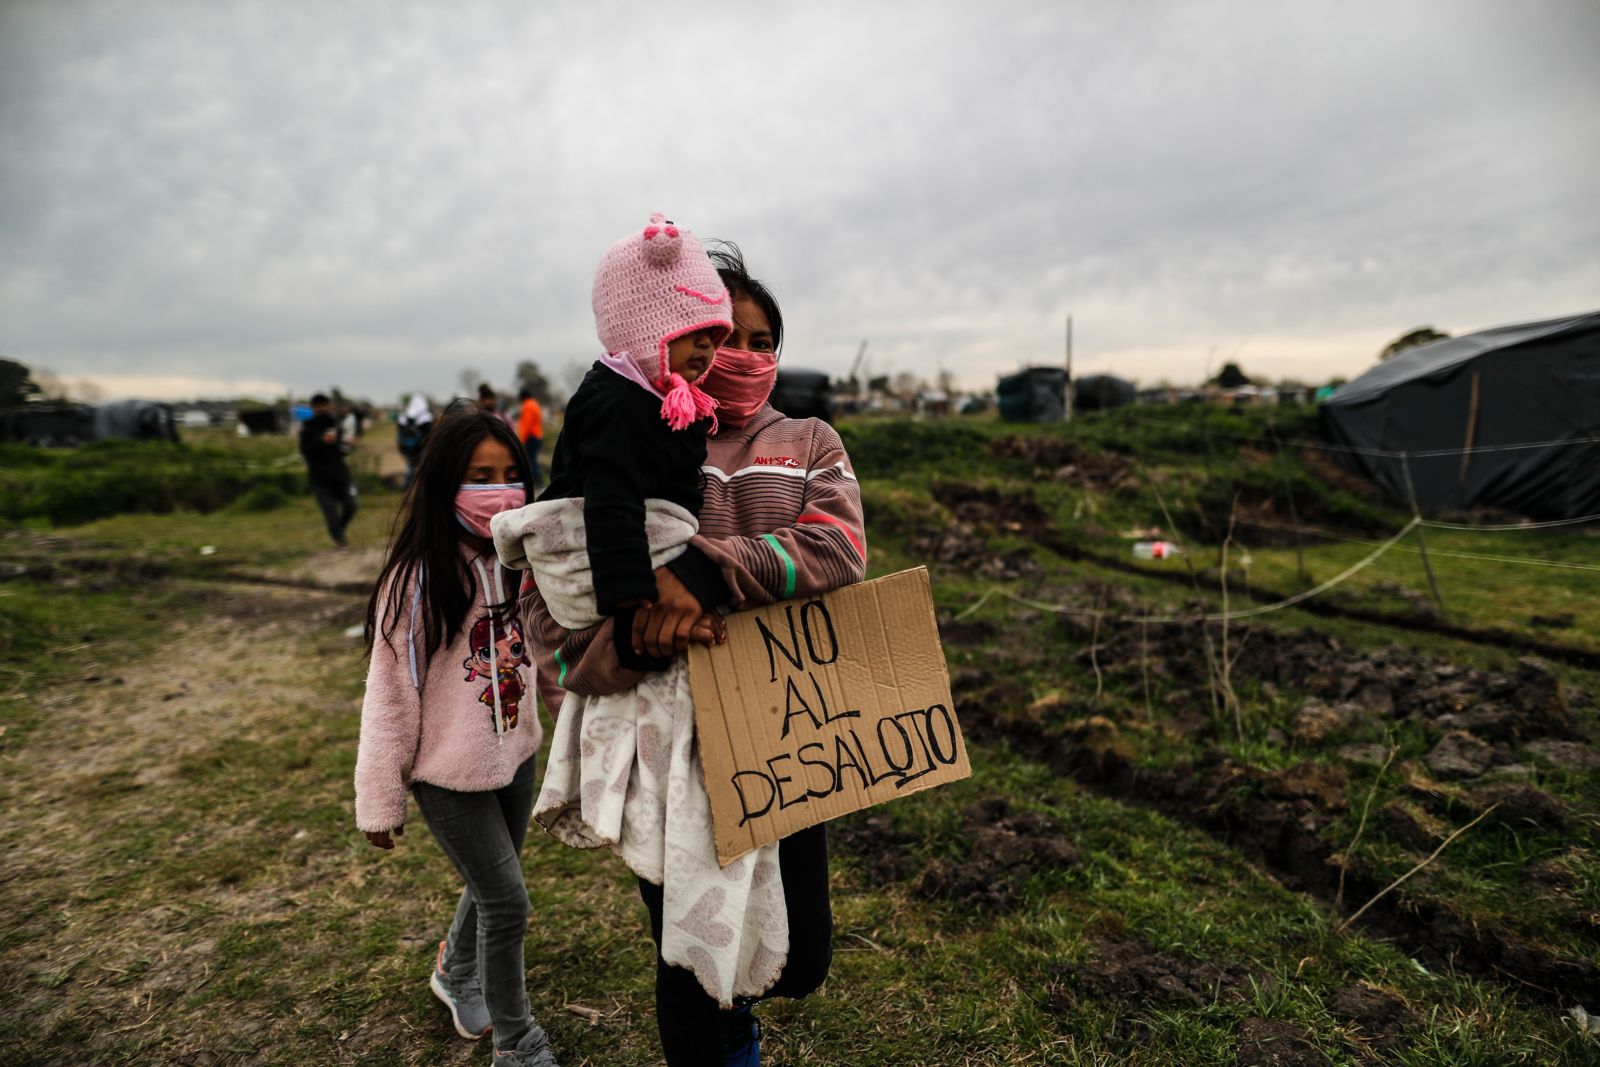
[219, 197]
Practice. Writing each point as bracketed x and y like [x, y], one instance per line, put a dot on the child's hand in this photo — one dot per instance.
[381, 838]
[663, 628]
[709, 629]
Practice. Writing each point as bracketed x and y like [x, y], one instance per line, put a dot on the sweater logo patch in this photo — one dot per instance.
[777, 461]
[498, 664]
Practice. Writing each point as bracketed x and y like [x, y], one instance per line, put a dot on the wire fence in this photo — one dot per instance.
[1311, 531]
[1507, 527]
[1217, 616]
[1379, 546]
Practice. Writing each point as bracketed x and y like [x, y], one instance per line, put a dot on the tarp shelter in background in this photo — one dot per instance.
[66, 425]
[141, 420]
[1038, 394]
[803, 394]
[1102, 392]
[1503, 418]
[261, 421]
[57, 425]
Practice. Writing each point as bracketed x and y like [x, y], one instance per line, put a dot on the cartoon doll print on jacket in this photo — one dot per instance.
[499, 662]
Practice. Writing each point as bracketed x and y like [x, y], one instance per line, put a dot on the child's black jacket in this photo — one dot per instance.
[615, 450]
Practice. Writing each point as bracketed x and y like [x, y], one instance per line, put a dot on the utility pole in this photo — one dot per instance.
[855, 372]
[1069, 368]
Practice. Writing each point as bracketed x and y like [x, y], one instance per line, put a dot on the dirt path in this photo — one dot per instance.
[114, 762]
[182, 882]
[376, 451]
[208, 682]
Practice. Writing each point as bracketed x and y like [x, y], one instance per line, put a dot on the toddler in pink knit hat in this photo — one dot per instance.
[659, 302]
[635, 431]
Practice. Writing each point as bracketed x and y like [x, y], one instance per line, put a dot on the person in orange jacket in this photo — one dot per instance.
[530, 428]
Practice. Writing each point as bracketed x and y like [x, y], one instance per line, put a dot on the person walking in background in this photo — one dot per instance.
[349, 420]
[530, 427]
[449, 714]
[411, 430]
[323, 446]
[489, 400]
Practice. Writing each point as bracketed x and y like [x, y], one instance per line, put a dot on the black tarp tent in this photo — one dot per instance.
[1102, 392]
[1037, 394]
[803, 394]
[261, 420]
[1503, 418]
[57, 425]
[142, 420]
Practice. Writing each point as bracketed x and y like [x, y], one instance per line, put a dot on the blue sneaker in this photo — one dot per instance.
[741, 1038]
[464, 998]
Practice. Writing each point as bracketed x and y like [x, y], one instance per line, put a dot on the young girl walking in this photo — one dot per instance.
[449, 715]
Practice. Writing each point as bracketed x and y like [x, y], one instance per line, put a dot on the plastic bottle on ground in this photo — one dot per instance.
[1155, 549]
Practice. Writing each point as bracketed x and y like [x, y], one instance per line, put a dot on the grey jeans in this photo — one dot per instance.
[482, 833]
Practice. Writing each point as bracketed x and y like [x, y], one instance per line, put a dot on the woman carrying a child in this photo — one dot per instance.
[710, 501]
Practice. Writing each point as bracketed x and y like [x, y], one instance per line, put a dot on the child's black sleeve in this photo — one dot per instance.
[615, 459]
[701, 577]
[622, 640]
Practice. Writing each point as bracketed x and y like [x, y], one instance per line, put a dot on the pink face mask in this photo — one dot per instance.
[740, 382]
[477, 504]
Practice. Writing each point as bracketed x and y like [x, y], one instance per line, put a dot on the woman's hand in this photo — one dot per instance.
[665, 626]
[381, 838]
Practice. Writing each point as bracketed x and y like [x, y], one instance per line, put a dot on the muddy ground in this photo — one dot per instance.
[1488, 736]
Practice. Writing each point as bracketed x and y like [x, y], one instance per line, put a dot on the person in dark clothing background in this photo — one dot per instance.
[323, 447]
[489, 400]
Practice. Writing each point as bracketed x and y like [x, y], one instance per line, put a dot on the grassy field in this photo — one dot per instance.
[1145, 867]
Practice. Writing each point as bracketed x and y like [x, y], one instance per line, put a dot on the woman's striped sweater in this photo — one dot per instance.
[781, 519]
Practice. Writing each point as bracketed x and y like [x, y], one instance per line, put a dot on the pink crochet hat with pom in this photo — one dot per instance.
[654, 286]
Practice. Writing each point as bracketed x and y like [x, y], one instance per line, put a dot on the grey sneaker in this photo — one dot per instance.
[464, 998]
[532, 1051]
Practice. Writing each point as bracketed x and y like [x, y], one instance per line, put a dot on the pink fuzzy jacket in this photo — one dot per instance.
[439, 726]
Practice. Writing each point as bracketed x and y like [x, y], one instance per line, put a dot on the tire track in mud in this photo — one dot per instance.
[1572, 655]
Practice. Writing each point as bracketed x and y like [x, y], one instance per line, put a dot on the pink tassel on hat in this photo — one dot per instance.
[684, 403]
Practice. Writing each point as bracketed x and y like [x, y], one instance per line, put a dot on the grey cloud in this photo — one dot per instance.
[380, 192]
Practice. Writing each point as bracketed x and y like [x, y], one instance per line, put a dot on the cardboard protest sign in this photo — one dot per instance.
[816, 708]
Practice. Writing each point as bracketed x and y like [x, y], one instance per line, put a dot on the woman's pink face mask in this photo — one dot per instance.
[740, 382]
[477, 504]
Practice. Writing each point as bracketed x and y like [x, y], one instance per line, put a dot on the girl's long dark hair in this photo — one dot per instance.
[425, 543]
